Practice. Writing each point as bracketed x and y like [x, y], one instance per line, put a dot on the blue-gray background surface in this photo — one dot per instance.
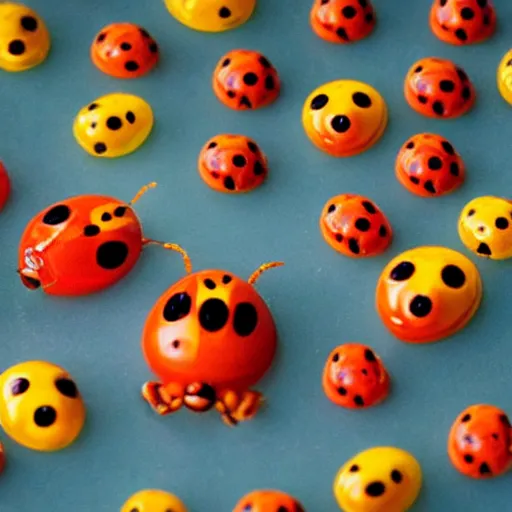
[320, 299]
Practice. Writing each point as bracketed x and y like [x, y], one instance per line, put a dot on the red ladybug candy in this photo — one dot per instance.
[5, 186]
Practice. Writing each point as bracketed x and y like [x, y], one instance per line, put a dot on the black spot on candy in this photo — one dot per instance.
[342, 391]
[438, 108]
[210, 284]
[446, 86]
[349, 12]
[460, 34]
[501, 223]
[177, 307]
[226, 279]
[212, 145]
[484, 469]
[465, 418]
[414, 180]
[435, 163]
[269, 83]
[114, 123]
[153, 48]
[119, 211]
[176, 344]
[342, 34]
[29, 23]
[353, 245]
[126, 46]
[454, 168]
[467, 13]
[482, 3]
[45, 416]
[362, 224]
[91, 230]
[213, 315]
[100, 148]
[105, 217]
[250, 78]
[418, 69]
[471, 212]
[375, 489]
[369, 207]
[131, 65]
[319, 101]
[358, 400]
[448, 147]
[331, 208]
[422, 99]
[101, 37]
[226, 62]
[383, 231]
[354, 468]
[362, 100]
[130, 117]
[224, 12]
[239, 161]
[495, 436]
[245, 319]
[57, 215]
[369, 355]
[369, 17]
[16, 47]
[396, 476]
[410, 145]
[504, 419]
[19, 386]
[429, 187]
[335, 358]
[462, 74]
[111, 255]
[469, 458]
[420, 306]
[466, 93]
[484, 249]
[253, 146]
[66, 387]
[244, 100]
[229, 183]
[402, 271]
[453, 276]
[338, 237]
[442, 3]
[340, 124]
[258, 169]
[363, 3]
[264, 62]
[92, 106]
[144, 32]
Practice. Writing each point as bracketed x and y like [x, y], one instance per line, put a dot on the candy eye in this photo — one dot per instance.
[453, 276]
[402, 271]
[177, 307]
[57, 215]
[67, 387]
[19, 386]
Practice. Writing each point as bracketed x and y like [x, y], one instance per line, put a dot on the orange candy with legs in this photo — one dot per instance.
[355, 377]
[209, 338]
[268, 501]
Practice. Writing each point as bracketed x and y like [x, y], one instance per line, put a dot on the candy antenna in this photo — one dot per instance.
[142, 191]
[263, 268]
[176, 248]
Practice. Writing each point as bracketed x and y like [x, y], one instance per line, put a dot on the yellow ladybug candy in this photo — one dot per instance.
[40, 406]
[113, 125]
[153, 500]
[211, 15]
[504, 77]
[24, 38]
[380, 479]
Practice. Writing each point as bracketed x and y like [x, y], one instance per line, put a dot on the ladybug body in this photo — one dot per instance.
[5, 186]
[209, 338]
[268, 500]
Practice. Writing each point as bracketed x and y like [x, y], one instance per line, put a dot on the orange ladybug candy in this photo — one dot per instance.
[5, 186]
[480, 440]
[438, 88]
[429, 166]
[124, 50]
[355, 377]
[354, 226]
[209, 338]
[268, 501]
[462, 22]
[232, 163]
[82, 245]
[342, 21]
[245, 79]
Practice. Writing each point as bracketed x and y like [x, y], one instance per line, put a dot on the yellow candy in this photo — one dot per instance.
[504, 77]
[153, 500]
[113, 125]
[485, 227]
[24, 38]
[345, 117]
[211, 15]
[381, 479]
[40, 407]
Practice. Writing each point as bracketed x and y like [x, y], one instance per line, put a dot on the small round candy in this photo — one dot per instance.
[232, 164]
[462, 22]
[245, 79]
[342, 21]
[504, 77]
[268, 500]
[24, 38]
[113, 125]
[429, 166]
[485, 227]
[479, 442]
[5, 186]
[354, 226]
[124, 50]
[345, 117]
[438, 88]
[153, 500]
[40, 406]
[426, 294]
[211, 15]
[355, 377]
[380, 479]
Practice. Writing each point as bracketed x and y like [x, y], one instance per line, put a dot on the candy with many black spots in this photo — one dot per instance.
[342, 21]
[429, 166]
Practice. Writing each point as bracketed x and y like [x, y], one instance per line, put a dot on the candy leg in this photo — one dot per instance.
[163, 399]
[199, 397]
[235, 407]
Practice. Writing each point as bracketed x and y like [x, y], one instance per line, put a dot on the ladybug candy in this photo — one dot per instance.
[124, 50]
[355, 377]
[462, 22]
[342, 21]
[209, 338]
[429, 166]
[504, 77]
[153, 500]
[5, 186]
[354, 226]
[480, 442]
[438, 88]
[268, 500]
[232, 164]
[82, 245]
[245, 79]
